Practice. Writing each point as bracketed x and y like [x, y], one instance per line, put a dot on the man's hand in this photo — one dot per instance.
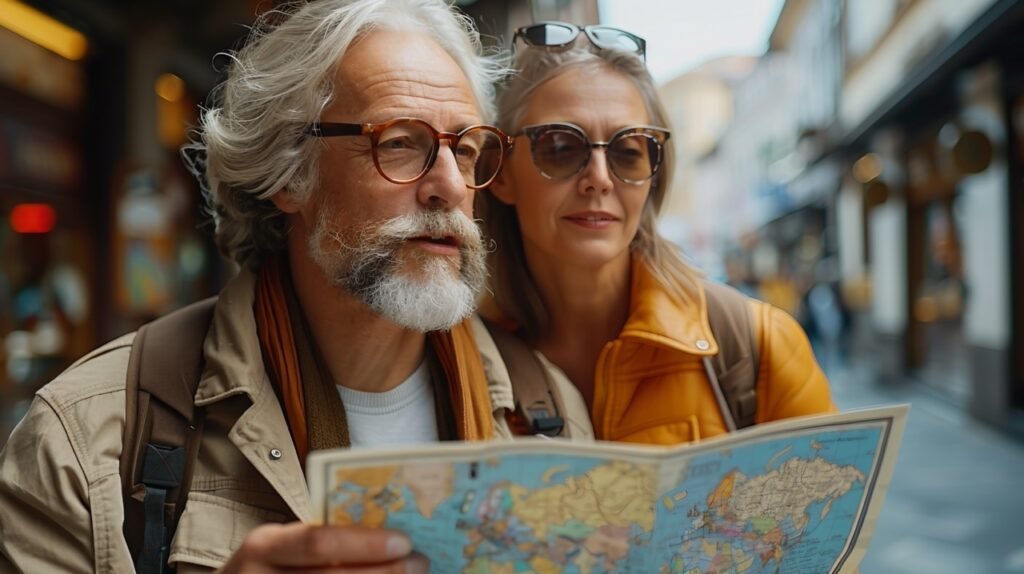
[298, 547]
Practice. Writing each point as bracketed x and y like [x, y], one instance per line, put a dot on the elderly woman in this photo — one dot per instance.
[580, 274]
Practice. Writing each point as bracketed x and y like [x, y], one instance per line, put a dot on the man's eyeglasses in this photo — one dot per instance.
[562, 150]
[405, 149]
[563, 34]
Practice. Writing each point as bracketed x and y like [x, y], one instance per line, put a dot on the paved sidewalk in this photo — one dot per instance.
[956, 504]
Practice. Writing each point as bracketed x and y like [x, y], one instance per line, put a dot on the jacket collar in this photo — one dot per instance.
[234, 366]
[234, 362]
[499, 382]
[660, 317]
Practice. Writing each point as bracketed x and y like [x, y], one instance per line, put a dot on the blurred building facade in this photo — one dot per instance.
[100, 222]
[875, 149]
[700, 107]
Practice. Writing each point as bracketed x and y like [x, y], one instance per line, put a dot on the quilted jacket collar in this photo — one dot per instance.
[658, 316]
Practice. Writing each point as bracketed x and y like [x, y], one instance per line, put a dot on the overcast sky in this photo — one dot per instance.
[682, 34]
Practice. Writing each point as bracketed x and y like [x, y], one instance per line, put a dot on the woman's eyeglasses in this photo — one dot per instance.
[562, 34]
[562, 150]
[405, 149]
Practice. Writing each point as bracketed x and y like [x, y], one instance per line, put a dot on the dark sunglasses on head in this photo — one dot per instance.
[562, 34]
[562, 150]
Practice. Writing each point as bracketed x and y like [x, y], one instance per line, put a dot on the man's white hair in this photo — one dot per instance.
[253, 139]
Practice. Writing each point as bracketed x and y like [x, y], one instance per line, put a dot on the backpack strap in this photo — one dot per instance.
[162, 430]
[538, 403]
[734, 370]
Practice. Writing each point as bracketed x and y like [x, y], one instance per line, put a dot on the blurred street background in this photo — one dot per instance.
[858, 163]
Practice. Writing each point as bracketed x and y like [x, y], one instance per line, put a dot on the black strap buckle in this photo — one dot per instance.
[541, 421]
[161, 473]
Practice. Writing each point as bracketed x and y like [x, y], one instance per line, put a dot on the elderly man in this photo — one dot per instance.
[342, 159]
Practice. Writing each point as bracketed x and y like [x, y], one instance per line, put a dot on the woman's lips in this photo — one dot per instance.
[591, 219]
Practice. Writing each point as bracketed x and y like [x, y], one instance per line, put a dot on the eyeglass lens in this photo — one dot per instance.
[611, 38]
[549, 34]
[405, 150]
[561, 153]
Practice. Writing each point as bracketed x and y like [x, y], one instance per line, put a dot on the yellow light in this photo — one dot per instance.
[40, 29]
[170, 87]
[867, 168]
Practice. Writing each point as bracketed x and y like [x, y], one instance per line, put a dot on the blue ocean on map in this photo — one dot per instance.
[790, 504]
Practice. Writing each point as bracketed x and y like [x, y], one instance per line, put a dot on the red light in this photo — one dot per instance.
[33, 218]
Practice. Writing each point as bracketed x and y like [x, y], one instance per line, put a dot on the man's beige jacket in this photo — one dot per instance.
[60, 489]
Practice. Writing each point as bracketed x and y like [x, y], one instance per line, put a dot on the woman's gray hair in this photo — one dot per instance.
[514, 290]
[254, 135]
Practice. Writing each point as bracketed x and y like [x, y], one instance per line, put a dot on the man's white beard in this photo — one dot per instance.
[369, 263]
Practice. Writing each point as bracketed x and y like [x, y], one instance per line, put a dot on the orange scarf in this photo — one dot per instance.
[456, 351]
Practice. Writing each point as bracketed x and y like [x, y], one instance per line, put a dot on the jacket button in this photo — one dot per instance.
[703, 345]
[275, 454]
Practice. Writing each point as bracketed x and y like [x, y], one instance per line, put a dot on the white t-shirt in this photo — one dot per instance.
[403, 415]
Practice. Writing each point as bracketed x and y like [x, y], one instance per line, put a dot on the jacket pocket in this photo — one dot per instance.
[212, 528]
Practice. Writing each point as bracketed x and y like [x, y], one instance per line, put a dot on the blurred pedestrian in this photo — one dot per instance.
[738, 275]
[828, 315]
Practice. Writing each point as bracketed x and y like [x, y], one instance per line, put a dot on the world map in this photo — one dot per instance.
[792, 503]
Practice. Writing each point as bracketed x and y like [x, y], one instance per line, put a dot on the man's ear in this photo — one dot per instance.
[286, 201]
[503, 187]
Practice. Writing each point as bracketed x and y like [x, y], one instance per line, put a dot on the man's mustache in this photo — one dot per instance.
[432, 224]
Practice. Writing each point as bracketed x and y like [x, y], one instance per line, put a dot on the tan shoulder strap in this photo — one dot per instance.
[733, 371]
[539, 406]
[162, 429]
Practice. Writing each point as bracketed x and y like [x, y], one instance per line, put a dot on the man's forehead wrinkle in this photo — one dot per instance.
[388, 94]
[448, 100]
[409, 82]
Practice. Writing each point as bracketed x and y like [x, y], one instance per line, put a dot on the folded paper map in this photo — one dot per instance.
[798, 497]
